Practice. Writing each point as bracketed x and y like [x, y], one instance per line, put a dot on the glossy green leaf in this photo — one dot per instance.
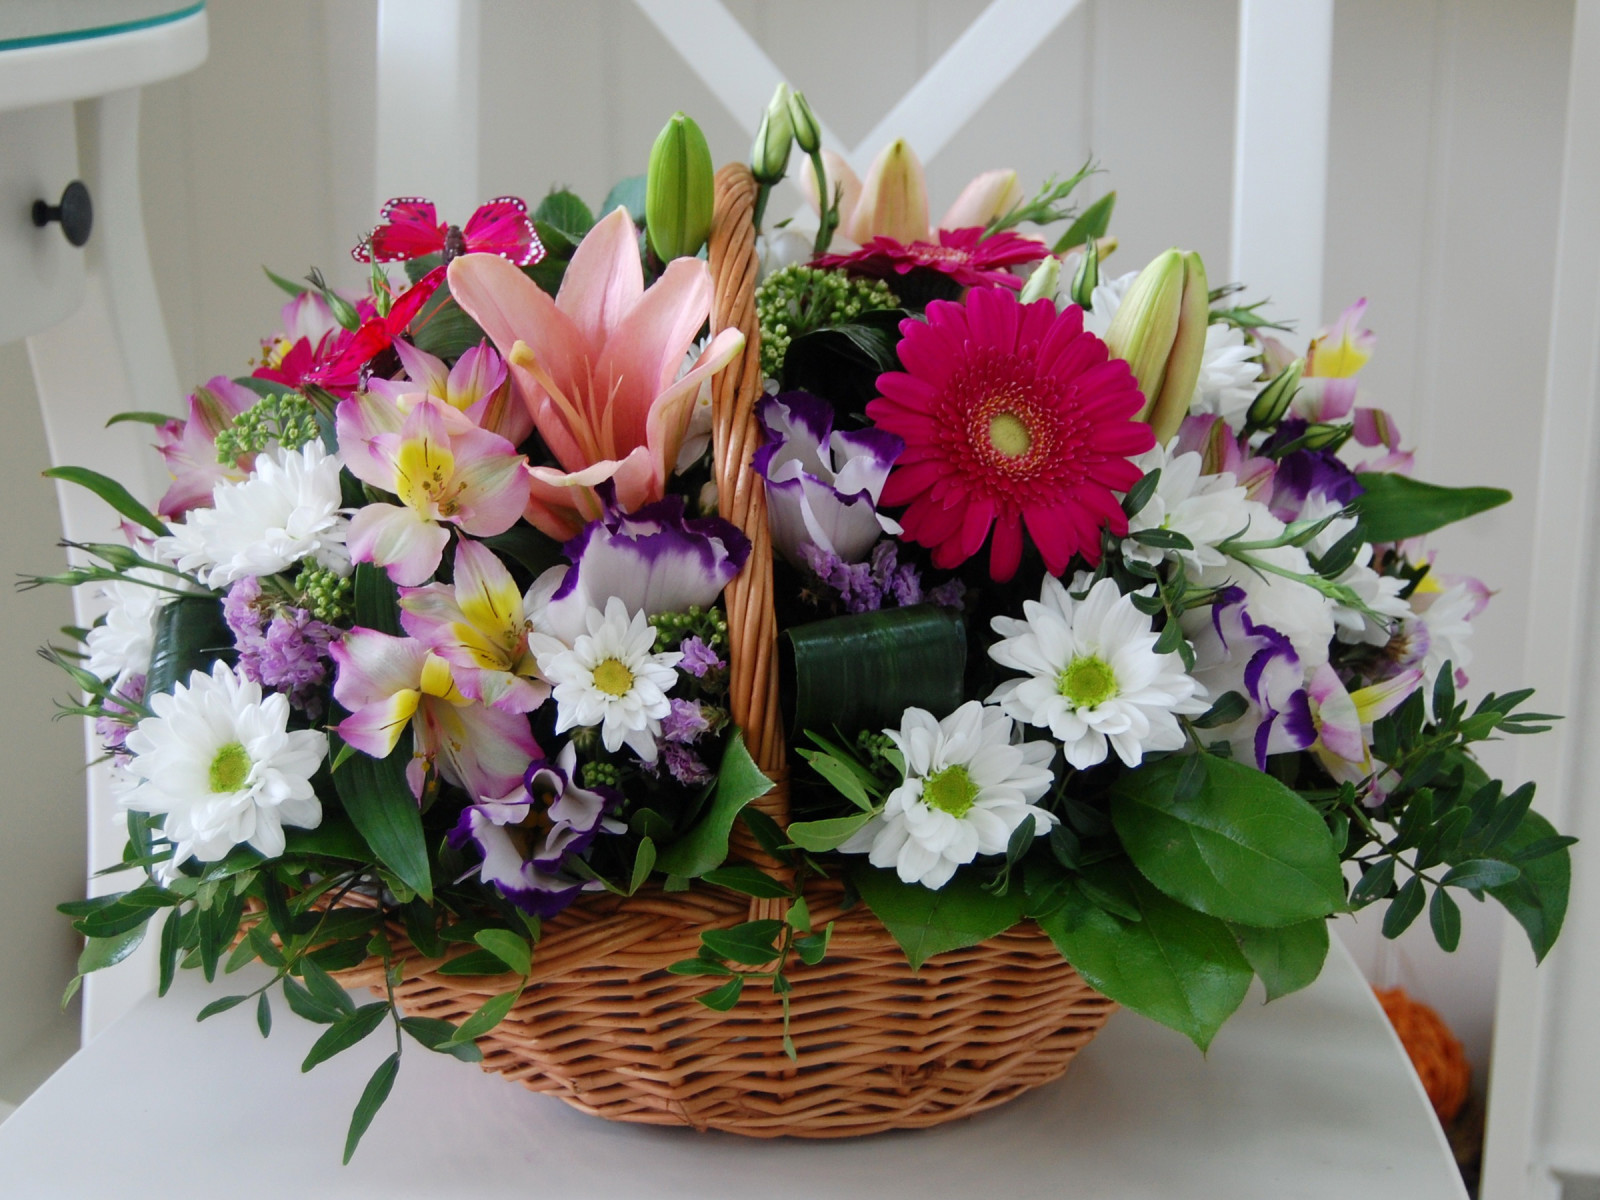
[1287, 958]
[264, 1015]
[1241, 846]
[630, 193]
[489, 1014]
[739, 781]
[1404, 908]
[723, 998]
[474, 962]
[644, 861]
[1176, 966]
[345, 1032]
[1537, 898]
[221, 1006]
[306, 1006]
[372, 1098]
[926, 922]
[437, 1035]
[749, 881]
[322, 987]
[378, 801]
[113, 493]
[99, 953]
[1392, 507]
[1480, 873]
[1092, 222]
[751, 943]
[828, 834]
[1444, 915]
[510, 949]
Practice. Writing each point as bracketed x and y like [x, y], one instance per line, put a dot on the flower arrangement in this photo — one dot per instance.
[1104, 610]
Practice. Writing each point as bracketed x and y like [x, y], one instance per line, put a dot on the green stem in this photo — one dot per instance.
[828, 220]
[763, 194]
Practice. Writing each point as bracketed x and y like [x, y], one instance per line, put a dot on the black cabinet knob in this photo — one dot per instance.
[75, 212]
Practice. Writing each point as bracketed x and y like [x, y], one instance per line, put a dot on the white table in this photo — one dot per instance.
[1309, 1097]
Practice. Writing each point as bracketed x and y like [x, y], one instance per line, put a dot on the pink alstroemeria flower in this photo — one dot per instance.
[1343, 721]
[598, 366]
[388, 683]
[445, 472]
[189, 446]
[476, 385]
[479, 625]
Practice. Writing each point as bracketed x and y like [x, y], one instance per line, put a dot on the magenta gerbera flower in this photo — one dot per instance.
[1013, 416]
[965, 255]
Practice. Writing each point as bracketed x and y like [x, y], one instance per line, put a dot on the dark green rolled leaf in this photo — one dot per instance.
[345, 1032]
[1287, 958]
[436, 1035]
[1240, 846]
[750, 943]
[510, 949]
[828, 834]
[376, 600]
[1537, 898]
[723, 998]
[1092, 222]
[113, 493]
[739, 781]
[378, 801]
[926, 922]
[190, 636]
[749, 881]
[864, 670]
[372, 1098]
[1392, 508]
[1176, 966]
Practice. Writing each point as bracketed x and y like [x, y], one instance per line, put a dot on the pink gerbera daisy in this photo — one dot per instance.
[965, 255]
[1012, 416]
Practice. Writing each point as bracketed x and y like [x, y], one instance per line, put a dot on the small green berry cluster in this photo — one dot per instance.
[875, 748]
[799, 299]
[287, 419]
[710, 625]
[324, 593]
[601, 774]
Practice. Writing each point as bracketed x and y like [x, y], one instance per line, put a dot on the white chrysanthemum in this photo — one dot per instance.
[1379, 593]
[609, 677]
[966, 789]
[121, 645]
[1437, 629]
[219, 760]
[1093, 675]
[1206, 509]
[287, 510]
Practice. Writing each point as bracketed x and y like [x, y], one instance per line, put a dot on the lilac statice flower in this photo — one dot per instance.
[685, 765]
[536, 880]
[881, 579]
[283, 648]
[698, 659]
[1234, 653]
[952, 593]
[822, 484]
[112, 732]
[685, 723]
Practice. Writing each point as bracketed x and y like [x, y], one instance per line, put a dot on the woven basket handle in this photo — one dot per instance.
[742, 499]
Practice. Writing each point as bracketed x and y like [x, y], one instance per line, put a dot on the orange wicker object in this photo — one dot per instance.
[602, 1024]
[1434, 1051]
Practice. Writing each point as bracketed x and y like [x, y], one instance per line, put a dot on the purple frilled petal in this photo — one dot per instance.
[822, 486]
[654, 560]
[1238, 654]
[1303, 474]
[698, 659]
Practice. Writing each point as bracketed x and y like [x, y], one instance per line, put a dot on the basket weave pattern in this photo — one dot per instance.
[602, 1024]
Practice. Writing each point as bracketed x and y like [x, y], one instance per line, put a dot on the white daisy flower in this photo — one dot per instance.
[1436, 631]
[219, 760]
[287, 510]
[1206, 509]
[120, 646]
[966, 789]
[1380, 593]
[609, 677]
[1094, 678]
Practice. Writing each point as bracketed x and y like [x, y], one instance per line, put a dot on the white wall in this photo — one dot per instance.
[1445, 142]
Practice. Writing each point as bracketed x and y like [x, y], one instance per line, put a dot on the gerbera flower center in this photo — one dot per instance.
[1009, 435]
[613, 678]
[1088, 681]
[230, 768]
[950, 790]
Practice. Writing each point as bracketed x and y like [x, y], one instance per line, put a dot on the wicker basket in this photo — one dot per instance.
[603, 1026]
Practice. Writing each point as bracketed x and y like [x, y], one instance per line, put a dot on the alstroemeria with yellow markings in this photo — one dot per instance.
[479, 625]
[476, 386]
[1343, 721]
[444, 473]
[390, 683]
[1343, 348]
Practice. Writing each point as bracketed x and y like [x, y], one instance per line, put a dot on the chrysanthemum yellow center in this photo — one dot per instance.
[230, 768]
[1088, 681]
[1009, 435]
[950, 790]
[613, 678]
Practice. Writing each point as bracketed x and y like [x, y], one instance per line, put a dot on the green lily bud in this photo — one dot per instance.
[807, 133]
[678, 190]
[1087, 277]
[1043, 281]
[1325, 436]
[1160, 330]
[1267, 409]
[769, 158]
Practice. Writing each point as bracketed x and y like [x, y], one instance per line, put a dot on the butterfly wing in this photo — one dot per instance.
[410, 229]
[503, 227]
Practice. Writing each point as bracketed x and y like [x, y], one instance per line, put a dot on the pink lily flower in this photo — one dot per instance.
[388, 683]
[479, 625]
[444, 472]
[189, 446]
[476, 385]
[599, 367]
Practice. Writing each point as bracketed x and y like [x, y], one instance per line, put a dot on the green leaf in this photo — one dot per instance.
[1403, 909]
[841, 775]
[749, 881]
[142, 418]
[221, 1006]
[644, 860]
[376, 601]
[99, 953]
[1477, 874]
[1287, 958]
[927, 922]
[436, 1035]
[510, 949]
[171, 943]
[750, 943]
[490, 1013]
[443, 328]
[345, 1032]
[1092, 222]
[306, 1006]
[113, 493]
[475, 962]
[1538, 897]
[767, 833]
[534, 551]
[1445, 917]
[190, 635]
[697, 966]
[288, 285]
[1243, 847]
[725, 997]
[1392, 508]
[1375, 883]
[829, 834]
[862, 671]
[813, 948]
[568, 214]
[378, 801]
[1229, 707]
[739, 781]
[324, 990]
[1176, 966]
[264, 1015]
[630, 194]
[372, 1098]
